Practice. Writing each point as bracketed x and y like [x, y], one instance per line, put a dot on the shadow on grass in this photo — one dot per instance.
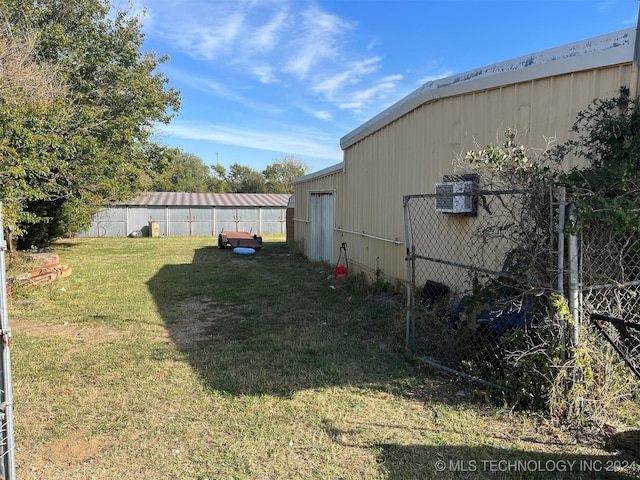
[270, 324]
[461, 462]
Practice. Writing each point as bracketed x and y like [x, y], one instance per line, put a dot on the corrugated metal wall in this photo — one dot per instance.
[176, 221]
[408, 155]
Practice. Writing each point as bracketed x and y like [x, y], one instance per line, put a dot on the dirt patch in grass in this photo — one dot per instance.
[87, 335]
[76, 448]
[197, 321]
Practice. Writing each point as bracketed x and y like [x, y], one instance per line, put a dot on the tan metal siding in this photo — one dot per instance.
[411, 153]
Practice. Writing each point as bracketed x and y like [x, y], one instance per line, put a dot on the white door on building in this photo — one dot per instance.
[322, 219]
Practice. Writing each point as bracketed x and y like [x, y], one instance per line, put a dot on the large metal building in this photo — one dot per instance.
[414, 143]
[192, 214]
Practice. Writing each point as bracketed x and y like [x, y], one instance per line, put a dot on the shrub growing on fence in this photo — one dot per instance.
[589, 382]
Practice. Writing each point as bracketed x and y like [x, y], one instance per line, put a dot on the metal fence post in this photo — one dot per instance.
[412, 337]
[573, 293]
[410, 259]
[7, 446]
[562, 201]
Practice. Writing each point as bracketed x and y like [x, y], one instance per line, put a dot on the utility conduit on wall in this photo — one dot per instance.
[367, 235]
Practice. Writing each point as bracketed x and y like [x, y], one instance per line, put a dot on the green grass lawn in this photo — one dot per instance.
[167, 358]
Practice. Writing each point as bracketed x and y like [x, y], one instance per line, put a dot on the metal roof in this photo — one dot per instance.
[338, 167]
[604, 50]
[183, 199]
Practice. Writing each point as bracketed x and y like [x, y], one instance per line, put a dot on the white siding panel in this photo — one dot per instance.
[137, 219]
[201, 221]
[225, 219]
[273, 221]
[248, 220]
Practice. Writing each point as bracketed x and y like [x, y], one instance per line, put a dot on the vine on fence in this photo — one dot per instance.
[585, 382]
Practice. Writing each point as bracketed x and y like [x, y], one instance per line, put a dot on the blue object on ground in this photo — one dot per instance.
[515, 313]
[244, 251]
[499, 315]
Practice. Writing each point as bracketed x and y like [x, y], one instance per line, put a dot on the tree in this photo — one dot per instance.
[32, 108]
[242, 179]
[219, 178]
[608, 139]
[115, 97]
[178, 171]
[279, 175]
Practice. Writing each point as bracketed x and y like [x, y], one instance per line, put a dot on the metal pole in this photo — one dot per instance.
[6, 396]
[486, 383]
[413, 299]
[405, 207]
[574, 285]
[562, 199]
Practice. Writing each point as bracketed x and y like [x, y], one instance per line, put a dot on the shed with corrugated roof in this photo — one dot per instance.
[176, 214]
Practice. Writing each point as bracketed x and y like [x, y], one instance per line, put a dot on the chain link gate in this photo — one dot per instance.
[7, 446]
[480, 281]
[610, 291]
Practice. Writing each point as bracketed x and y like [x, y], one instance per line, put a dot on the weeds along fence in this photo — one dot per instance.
[481, 282]
[500, 291]
[7, 445]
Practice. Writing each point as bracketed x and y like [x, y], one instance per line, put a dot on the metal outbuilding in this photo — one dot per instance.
[192, 214]
[413, 144]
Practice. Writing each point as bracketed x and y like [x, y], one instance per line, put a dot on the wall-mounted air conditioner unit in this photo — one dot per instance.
[454, 197]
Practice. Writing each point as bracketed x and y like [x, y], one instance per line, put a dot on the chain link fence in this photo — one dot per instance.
[480, 281]
[610, 291]
[7, 445]
[485, 269]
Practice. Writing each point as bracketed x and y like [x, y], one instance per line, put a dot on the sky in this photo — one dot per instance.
[265, 79]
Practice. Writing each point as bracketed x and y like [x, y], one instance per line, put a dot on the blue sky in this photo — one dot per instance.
[261, 79]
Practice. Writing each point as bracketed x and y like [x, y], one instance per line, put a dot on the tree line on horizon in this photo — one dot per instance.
[179, 171]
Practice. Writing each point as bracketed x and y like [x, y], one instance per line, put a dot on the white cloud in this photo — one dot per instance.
[606, 5]
[209, 42]
[323, 115]
[331, 85]
[379, 91]
[264, 73]
[266, 37]
[632, 20]
[200, 83]
[287, 44]
[304, 142]
[222, 91]
[317, 41]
